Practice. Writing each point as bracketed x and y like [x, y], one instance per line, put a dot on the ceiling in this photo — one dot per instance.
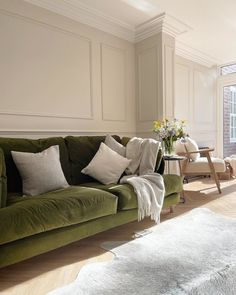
[208, 26]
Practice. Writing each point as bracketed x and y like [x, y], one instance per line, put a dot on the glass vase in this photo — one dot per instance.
[168, 147]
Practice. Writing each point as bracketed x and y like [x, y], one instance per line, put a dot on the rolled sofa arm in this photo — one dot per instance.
[3, 181]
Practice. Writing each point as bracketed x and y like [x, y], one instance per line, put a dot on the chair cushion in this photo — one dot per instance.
[26, 216]
[188, 144]
[201, 165]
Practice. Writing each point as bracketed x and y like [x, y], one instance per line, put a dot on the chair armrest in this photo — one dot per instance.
[200, 151]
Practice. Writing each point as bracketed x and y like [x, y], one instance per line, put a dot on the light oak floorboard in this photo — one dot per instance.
[43, 273]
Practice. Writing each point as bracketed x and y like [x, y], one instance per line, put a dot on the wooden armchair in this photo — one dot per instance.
[204, 165]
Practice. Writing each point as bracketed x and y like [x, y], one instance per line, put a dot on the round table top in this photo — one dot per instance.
[173, 158]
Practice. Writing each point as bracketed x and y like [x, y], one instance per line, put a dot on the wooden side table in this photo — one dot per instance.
[170, 158]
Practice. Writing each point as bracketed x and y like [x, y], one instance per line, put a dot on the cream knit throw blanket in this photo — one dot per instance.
[148, 185]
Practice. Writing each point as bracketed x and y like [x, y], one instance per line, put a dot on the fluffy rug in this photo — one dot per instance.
[192, 254]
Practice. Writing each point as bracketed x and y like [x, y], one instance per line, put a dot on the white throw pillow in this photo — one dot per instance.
[179, 147]
[106, 166]
[192, 146]
[40, 172]
[115, 146]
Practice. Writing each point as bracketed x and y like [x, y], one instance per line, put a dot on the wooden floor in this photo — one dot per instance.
[57, 268]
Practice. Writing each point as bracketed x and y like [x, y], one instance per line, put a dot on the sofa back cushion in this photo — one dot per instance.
[14, 182]
[81, 150]
[3, 181]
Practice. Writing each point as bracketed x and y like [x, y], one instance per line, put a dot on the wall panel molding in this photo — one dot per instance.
[57, 30]
[148, 84]
[169, 102]
[182, 91]
[113, 83]
[203, 104]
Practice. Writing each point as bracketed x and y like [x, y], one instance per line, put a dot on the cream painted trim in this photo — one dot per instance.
[139, 115]
[162, 23]
[89, 16]
[78, 11]
[46, 115]
[67, 132]
[195, 55]
[66, 32]
[82, 13]
[124, 52]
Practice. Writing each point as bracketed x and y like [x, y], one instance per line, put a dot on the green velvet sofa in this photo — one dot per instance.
[33, 225]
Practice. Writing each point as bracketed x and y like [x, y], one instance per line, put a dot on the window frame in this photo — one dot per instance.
[233, 116]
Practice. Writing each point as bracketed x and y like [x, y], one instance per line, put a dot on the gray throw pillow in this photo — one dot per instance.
[40, 172]
[115, 145]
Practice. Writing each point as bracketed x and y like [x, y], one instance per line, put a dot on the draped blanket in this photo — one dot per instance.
[148, 185]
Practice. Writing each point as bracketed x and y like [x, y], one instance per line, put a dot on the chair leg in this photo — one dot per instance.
[213, 172]
[172, 209]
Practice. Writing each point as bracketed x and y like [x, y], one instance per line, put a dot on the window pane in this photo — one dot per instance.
[228, 69]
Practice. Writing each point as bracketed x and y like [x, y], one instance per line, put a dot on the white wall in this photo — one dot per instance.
[195, 100]
[61, 77]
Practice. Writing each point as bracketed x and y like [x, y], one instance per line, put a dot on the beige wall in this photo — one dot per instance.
[195, 100]
[59, 77]
[154, 81]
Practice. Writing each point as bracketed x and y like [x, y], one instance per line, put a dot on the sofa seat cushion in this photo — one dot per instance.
[173, 184]
[26, 216]
[127, 198]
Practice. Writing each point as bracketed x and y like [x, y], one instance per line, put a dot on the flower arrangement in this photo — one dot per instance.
[168, 132]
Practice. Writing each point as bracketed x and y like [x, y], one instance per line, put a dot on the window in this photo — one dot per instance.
[230, 69]
[233, 114]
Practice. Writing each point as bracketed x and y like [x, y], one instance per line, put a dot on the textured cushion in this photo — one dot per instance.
[81, 150]
[106, 166]
[190, 145]
[201, 165]
[115, 145]
[3, 181]
[14, 183]
[40, 172]
[26, 216]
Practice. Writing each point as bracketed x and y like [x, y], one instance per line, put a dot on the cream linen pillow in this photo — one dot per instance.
[115, 146]
[40, 172]
[192, 146]
[106, 166]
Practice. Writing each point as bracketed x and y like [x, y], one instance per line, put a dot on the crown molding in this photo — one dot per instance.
[164, 23]
[82, 13]
[168, 24]
[195, 55]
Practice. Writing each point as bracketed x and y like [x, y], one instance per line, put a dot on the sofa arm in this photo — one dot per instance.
[3, 180]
